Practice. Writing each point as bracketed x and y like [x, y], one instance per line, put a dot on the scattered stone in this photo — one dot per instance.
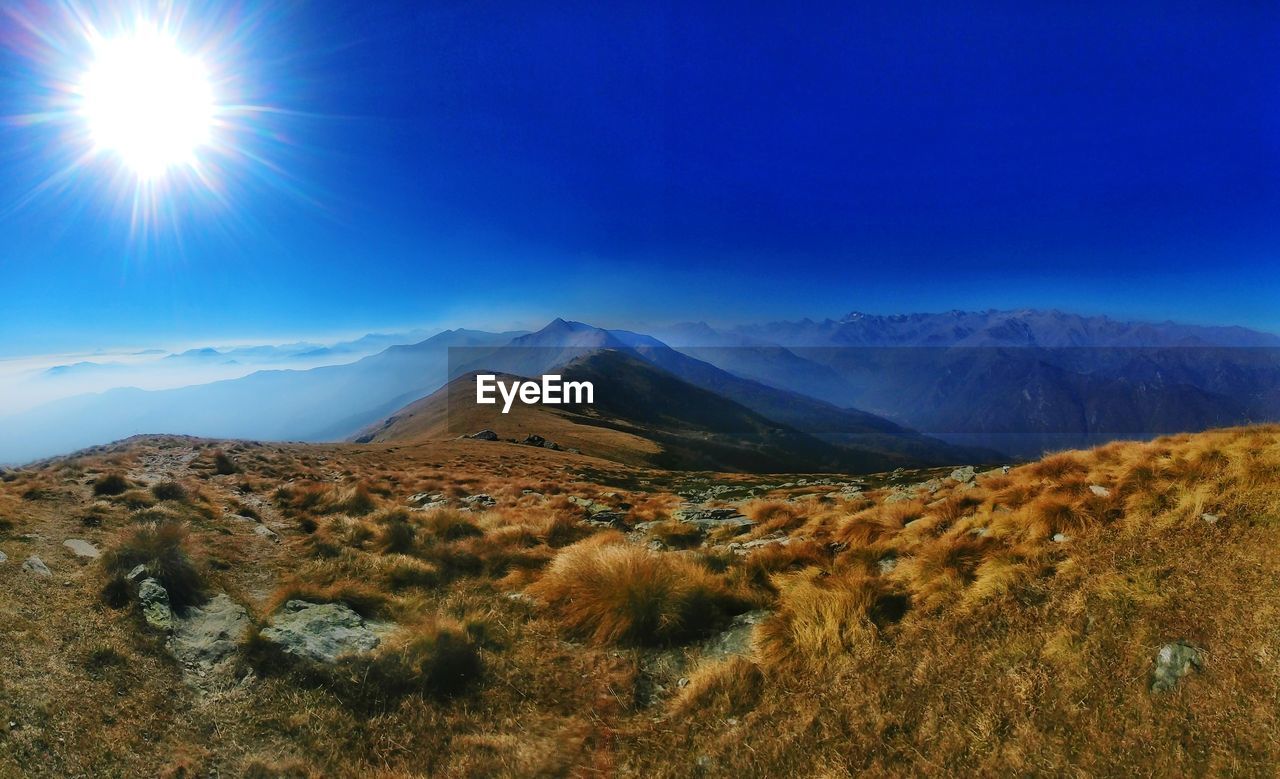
[886, 564]
[481, 500]
[36, 566]
[900, 496]
[682, 682]
[4, 558]
[533, 439]
[606, 519]
[521, 597]
[711, 519]
[207, 635]
[964, 475]
[138, 573]
[1061, 538]
[267, 533]
[1099, 490]
[484, 435]
[1173, 662]
[1004, 469]
[82, 548]
[736, 639]
[154, 600]
[321, 631]
[1212, 519]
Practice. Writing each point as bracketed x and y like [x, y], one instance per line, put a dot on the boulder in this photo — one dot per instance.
[206, 635]
[533, 439]
[1099, 490]
[322, 632]
[736, 639]
[712, 519]
[484, 435]
[153, 599]
[479, 501]
[964, 475]
[35, 565]
[266, 533]
[81, 548]
[1173, 662]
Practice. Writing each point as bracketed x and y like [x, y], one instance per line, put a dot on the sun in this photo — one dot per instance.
[147, 102]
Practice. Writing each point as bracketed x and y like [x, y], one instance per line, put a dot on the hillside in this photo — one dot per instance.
[513, 611]
[642, 415]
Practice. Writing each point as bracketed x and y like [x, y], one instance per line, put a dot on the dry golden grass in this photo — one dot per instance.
[611, 592]
[1005, 628]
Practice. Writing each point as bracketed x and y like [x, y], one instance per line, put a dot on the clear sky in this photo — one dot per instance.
[486, 163]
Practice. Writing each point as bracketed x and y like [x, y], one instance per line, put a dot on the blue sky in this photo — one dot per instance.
[494, 164]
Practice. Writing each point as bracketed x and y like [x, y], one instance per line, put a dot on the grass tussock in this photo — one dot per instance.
[110, 484]
[164, 549]
[610, 592]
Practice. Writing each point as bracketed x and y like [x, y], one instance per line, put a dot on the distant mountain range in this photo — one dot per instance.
[1015, 381]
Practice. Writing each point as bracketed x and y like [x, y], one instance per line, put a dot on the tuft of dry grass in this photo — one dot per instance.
[163, 549]
[609, 592]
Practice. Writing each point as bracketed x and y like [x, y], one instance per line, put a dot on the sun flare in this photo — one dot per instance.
[147, 102]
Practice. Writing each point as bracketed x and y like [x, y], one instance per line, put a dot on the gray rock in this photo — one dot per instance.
[1212, 519]
[322, 632]
[36, 566]
[138, 573]
[1099, 490]
[1173, 662]
[207, 635]
[886, 564]
[1061, 538]
[485, 435]
[607, 519]
[479, 501]
[711, 519]
[266, 533]
[964, 475]
[736, 640]
[4, 558]
[154, 600]
[81, 548]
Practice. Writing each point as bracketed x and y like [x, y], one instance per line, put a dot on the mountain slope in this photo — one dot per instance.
[641, 414]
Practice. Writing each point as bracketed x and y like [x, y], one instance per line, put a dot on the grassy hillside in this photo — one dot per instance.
[550, 613]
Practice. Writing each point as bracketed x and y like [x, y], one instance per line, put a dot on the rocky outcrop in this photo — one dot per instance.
[153, 599]
[81, 548]
[206, 635]
[34, 565]
[1173, 662]
[322, 632]
[484, 435]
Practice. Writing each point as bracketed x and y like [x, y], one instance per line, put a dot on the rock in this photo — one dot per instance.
[1173, 662]
[886, 564]
[267, 533]
[1061, 538]
[711, 519]
[899, 497]
[1212, 519]
[206, 635]
[606, 519]
[4, 558]
[154, 600]
[1099, 490]
[964, 475]
[36, 566]
[322, 632]
[81, 548]
[533, 439]
[736, 640]
[136, 575]
[484, 435]
[1004, 469]
[479, 501]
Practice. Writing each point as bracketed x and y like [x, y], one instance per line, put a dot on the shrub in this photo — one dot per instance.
[822, 617]
[162, 548]
[435, 658]
[110, 484]
[169, 490]
[450, 525]
[397, 535]
[223, 465]
[677, 535]
[608, 591]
